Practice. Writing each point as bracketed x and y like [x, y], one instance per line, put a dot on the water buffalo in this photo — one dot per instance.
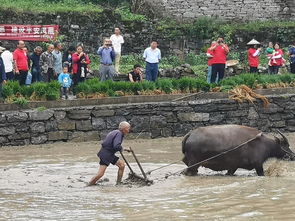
[205, 142]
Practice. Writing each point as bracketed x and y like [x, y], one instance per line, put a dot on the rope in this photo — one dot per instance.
[213, 157]
[149, 172]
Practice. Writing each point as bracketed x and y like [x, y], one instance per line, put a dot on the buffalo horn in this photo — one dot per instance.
[284, 137]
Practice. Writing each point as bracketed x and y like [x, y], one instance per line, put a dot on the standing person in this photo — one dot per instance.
[80, 65]
[65, 80]
[35, 59]
[107, 57]
[112, 144]
[7, 58]
[292, 58]
[57, 55]
[2, 74]
[152, 56]
[67, 57]
[136, 74]
[276, 59]
[20, 63]
[209, 55]
[117, 41]
[46, 64]
[220, 51]
[253, 55]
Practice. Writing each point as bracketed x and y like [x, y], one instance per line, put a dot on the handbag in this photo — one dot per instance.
[29, 78]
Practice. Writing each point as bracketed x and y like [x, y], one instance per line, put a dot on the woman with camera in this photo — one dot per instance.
[80, 65]
[220, 51]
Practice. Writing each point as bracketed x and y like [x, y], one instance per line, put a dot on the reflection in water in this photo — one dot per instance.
[48, 183]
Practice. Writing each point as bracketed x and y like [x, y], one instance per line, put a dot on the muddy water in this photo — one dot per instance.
[48, 183]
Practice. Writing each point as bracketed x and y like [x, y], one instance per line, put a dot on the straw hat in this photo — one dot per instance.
[253, 42]
[2, 49]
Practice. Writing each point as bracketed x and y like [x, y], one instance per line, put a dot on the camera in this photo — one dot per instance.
[109, 45]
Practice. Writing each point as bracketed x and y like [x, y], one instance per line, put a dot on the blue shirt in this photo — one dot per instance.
[107, 55]
[113, 141]
[65, 80]
[57, 64]
[292, 52]
[152, 56]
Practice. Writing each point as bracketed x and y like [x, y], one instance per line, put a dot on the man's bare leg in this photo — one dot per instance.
[121, 166]
[101, 171]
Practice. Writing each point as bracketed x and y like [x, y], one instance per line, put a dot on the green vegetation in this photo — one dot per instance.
[93, 88]
[12, 91]
[50, 6]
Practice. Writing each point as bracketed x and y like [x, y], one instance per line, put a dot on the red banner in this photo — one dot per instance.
[29, 32]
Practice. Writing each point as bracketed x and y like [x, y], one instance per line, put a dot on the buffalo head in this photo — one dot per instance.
[284, 148]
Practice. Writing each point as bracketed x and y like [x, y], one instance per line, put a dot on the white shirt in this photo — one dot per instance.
[152, 55]
[117, 41]
[7, 58]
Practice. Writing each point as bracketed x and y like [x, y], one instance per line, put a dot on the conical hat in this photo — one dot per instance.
[253, 42]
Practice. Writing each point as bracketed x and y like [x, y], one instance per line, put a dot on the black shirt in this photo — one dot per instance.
[135, 77]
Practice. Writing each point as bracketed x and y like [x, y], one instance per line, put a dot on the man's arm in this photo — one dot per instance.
[99, 51]
[145, 54]
[130, 77]
[15, 63]
[117, 142]
[159, 55]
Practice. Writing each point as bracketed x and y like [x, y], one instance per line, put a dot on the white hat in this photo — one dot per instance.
[2, 49]
[253, 42]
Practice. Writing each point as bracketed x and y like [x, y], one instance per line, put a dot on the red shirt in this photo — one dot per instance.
[253, 61]
[21, 60]
[277, 61]
[76, 60]
[209, 59]
[219, 55]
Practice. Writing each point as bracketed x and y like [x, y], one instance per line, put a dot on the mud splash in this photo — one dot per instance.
[48, 182]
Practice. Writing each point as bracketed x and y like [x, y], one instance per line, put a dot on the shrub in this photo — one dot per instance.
[164, 85]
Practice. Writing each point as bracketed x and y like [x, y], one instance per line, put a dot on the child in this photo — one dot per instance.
[270, 51]
[65, 80]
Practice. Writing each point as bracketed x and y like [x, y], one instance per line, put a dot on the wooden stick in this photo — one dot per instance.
[128, 165]
[137, 161]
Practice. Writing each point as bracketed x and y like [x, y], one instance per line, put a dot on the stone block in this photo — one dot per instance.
[3, 140]
[58, 135]
[170, 117]
[37, 127]
[51, 126]
[7, 130]
[2, 118]
[85, 136]
[140, 123]
[66, 125]
[180, 129]
[98, 124]
[39, 140]
[16, 117]
[253, 115]
[193, 117]
[113, 122]
[41, 115]
[291, 122]
[158, 122]
[84, 125]
[79, 114]
[21, 127]
[216, 118]
[281, 123]
[59, 115]
[19, 136]
[103, 113]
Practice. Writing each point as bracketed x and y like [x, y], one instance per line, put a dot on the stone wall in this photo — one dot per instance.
[163, 119]
[243, 10]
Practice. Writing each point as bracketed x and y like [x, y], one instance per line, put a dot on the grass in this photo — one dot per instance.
[50, 6]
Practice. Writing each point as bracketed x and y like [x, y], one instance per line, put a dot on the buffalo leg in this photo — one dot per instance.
[231, 172]
[259, 170]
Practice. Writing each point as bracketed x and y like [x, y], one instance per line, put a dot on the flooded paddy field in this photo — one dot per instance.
[48, 182]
